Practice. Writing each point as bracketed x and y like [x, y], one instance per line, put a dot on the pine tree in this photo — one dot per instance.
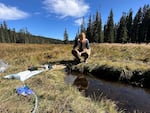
[146, 24]
[66, 41]
[137, 22]
[101, 38]
[115, 32]
[129, 23]
[147, 27]
[122, 30]
[2, 34]
[97, 29]
[82, 27]
[13, 36]
[89, 30]
[106, 39]
[110, 28]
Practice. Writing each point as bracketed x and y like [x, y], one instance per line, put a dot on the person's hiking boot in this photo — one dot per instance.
[77, 61]
[85, 61]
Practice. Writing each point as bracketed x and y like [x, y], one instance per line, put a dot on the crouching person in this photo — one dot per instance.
[81, 48]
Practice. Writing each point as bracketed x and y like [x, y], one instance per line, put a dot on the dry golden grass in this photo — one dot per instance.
[54, 95]
[132, 56]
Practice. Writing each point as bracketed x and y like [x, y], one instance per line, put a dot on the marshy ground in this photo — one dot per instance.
[54, 95]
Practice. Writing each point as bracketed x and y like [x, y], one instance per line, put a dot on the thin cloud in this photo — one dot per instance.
[37, 13]
[79, 21]
[11, 13]
[64, 8]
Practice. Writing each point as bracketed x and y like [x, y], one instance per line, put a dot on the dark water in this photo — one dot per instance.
[127, 98]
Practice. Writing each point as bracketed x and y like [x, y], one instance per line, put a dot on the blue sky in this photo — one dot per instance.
[49, 18]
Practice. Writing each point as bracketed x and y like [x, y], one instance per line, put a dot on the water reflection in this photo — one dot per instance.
[126, 97]
[79, 81]
[129, 98]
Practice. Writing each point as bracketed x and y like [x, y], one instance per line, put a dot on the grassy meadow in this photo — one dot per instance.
[54, 96]
[131, 56]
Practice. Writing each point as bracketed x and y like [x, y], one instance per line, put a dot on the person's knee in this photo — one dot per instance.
[85, 55]
[73, 52]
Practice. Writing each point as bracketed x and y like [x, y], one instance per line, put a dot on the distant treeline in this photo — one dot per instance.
[128, 30]
[23, 36]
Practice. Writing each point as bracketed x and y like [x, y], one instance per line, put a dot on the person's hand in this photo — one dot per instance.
[86, 50]
[80, 53]
[76, 50]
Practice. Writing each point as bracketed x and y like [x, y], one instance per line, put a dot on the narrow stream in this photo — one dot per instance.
[127, 98]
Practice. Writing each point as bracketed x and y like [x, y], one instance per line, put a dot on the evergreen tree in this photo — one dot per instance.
[129, 23]
[1, 40]
[122, 30]
[82, 29]
[13, 36]
[110, 28]
[106, 39]
[89, 31]
[97, 27]
[115, 32]
[66, 41]
[23, 36]
[101, 37]
[137, 22]
[2, 33]
[146, 24]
